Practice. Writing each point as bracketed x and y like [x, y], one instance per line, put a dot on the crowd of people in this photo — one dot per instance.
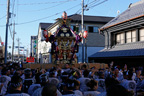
[71, 81]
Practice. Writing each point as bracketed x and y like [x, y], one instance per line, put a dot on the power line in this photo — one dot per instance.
[47, 16]
[88, 4]
[43, 17]
[97, 4]
[46, 2]
[87, 1]
[45, 8]
[3, 17]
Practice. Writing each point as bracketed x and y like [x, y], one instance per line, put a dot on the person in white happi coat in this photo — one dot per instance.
[93, 85]
[5, 79]
[128, 83]
[77, 87]
[68, 89]
[84, 80]
[15, 87]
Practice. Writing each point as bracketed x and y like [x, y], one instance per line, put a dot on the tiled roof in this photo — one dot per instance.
[132, 49]
[103, 19]
[134, 10]
[44, 25]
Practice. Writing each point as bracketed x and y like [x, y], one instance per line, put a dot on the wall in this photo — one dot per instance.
[90, 51]
[47, 66]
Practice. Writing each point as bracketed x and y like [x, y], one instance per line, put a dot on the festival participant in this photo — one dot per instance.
[129, 84]
[49, 90]
[28, 80]
[93, 73]
[118, 74]
[84, 80]
[125, 77]
[74, 75]
[5, 79]
[109, 81]
[134, 73]
[64, 79]
[43, 81]
[77, 87]
[93, 85]
[68, 89]
[101, 82]
[67, 68]
[118, 90]
[15, 87]
[83, 68]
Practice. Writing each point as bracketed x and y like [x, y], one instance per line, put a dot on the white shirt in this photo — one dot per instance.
[83, 82]
[33, 87]
[5, 84]
[78, 92]
[101, 85]
[129, 85]
[18, 94]
[91, 93]
[71, 95]
[102, 94]
[39, 90]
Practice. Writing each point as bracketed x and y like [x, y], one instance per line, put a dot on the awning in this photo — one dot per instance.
[122, 53]
[125, 50]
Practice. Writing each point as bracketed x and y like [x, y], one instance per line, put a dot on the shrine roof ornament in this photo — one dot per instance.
[64, 15]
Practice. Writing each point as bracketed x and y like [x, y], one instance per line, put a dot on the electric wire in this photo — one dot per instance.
[59, 13]
[40, 3]
[98, 4]
[3, 17]
[47, 16]
[43, 9]
[46, 2]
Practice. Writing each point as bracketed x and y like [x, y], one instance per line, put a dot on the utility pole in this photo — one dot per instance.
[7, 24]
[18, 47]
[13, 42]
[82, 26]
[85, 50]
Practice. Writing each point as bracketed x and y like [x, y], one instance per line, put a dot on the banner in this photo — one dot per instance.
[30, 59]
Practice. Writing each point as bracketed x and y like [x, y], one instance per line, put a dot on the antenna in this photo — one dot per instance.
[118, 12]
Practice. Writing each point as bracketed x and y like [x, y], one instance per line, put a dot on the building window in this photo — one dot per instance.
[93, 29]
[134, 36]
[75, 28]
[128, 37]
[120, 38]
[141, 34]
[131, 36]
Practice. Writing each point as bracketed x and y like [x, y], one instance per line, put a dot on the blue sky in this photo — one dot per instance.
[30, 10]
